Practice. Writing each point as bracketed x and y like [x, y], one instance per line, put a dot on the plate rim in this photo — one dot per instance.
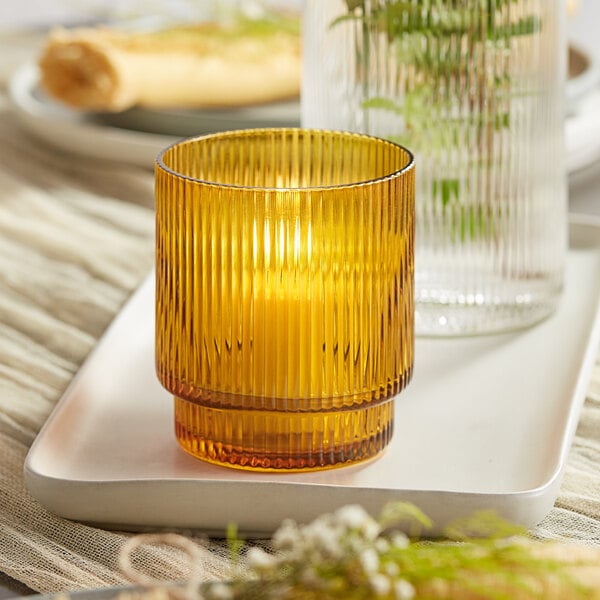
[70, 130]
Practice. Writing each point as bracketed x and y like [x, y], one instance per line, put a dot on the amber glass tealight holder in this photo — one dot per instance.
[284, 294]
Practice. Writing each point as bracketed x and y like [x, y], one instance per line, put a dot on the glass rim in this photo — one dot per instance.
[160, 164]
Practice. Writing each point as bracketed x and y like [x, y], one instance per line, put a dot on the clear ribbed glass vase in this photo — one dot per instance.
[284, 294]
[475, 89]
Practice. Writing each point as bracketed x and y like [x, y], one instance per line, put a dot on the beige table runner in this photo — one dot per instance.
[76, 238]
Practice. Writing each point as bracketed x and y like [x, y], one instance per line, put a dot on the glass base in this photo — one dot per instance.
[263, 440]
[446, 320]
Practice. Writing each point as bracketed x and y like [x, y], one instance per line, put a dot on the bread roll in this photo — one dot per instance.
[207, 65]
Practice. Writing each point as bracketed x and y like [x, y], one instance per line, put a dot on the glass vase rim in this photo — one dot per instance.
[408, 166]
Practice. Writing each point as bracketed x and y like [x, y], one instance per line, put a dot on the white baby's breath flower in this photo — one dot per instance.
[380, 584]
[391, 569]
[287, 536]
[399, 540]
[382, 545]
[371, 530]
[352, 516]
[219, 591]
[323, 538]
[403, 590]
[308, 543]
[369, 560]
[259, 560]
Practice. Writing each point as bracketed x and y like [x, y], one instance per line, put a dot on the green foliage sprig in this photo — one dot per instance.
[348, 554]
[458, 55]
[351, 555]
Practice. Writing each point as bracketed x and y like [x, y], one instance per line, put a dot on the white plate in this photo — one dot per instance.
[584, 75]
[184, 123]
[583, 110]
[138, 135]
[486, 423]
[135, 136]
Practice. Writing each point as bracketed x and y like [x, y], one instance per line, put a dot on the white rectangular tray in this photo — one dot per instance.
[485, 424]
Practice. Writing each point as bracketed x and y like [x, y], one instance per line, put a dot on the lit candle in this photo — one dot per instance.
[284, 309]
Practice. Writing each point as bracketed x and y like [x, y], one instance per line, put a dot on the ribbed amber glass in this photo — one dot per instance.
[284, 294]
